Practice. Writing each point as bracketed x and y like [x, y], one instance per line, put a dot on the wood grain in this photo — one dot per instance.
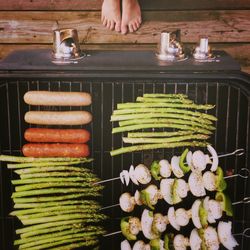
[37, 27]
[145, 5]
[241, 52]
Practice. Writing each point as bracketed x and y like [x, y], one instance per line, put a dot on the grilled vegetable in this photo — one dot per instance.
[55, 200]
[192, 127]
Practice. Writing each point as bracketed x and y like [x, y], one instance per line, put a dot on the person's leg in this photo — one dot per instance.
[111, 14]
[131, 16]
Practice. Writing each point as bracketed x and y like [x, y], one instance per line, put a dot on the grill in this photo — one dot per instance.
[115, 77]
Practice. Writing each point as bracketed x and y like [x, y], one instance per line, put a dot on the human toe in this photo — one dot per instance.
[118, 26]
[131, 28]
[105, 22]
[124, 29]
[112, 25]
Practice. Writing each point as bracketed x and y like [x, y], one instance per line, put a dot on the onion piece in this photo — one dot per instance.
[182, 217]
[159, 223]
[134, 225]
[225, 235]
[146, 224]
[195, 240]
[176, 167]
[124, 177]
[199, 161]
[152, 190]
[165, 168]
[125, 245]
[126, 203]
[132, 175]
[195, 213]
[215, 158]
[210, 216]
[137, 198]
[211, 238]
[166, 190]
[139, 245]
[196, 186]
[142, 174]
[172, 219]
[209, 181]
[182, 188]
[180, 242]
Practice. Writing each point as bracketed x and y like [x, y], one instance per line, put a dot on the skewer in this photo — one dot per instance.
[244, 173]
[245, 233]
[237, 152]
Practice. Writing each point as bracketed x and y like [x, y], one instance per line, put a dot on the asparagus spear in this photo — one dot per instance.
[165, 121]
[42, 164]
[93, 193]
[163, 110]
[45, 231]
[181, 96]
[48, 236]
[45, 243]
[165, 100]
[163, 125]
[10, 158]
[160, 115]
[51, 169]
[34, 205]
[56, 191]
[158, 134]
[156, 146]
[165, 140]
[52, 179]
[87, 241]
[79, 210]
[56, 174]
[58, 231]
[57, 208]
[63, 217]
[49, 225]
[162, 104]
[76, 245]
[66, 184]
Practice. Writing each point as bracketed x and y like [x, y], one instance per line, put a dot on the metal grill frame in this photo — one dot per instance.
[122, 87]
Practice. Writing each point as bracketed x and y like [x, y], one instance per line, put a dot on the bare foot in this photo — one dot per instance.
[111, 14]
[131, 16]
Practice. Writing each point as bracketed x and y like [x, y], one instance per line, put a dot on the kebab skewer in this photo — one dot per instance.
[208, 238]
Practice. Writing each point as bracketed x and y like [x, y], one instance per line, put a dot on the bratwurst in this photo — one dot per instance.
[56, 135]
[57, 98]
[55, 150]
[58, 117]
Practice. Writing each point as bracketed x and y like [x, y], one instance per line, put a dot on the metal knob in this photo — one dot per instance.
[66, 46]
[170, 48]
[203, 50]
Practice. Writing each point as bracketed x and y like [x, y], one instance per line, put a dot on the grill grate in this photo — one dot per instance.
[232, 131]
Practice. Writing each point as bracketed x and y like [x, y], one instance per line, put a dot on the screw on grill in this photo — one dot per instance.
[244, 172]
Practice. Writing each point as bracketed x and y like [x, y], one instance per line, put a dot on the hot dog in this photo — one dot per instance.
[58, 117]
[57, 98]
[55, 150]
[57, 135]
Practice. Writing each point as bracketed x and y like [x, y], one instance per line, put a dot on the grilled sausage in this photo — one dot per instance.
[55, 150]
[58, 117]
[57, 135]
[57, 98]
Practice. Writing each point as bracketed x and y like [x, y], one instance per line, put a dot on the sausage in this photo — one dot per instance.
[57, 98]
[58, 117]
[56, 135]
[55, 150]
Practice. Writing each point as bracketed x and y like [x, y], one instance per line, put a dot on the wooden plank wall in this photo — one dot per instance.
[29, 24]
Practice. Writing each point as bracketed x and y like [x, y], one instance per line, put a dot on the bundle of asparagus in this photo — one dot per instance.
[177, 117]
[55, 200]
